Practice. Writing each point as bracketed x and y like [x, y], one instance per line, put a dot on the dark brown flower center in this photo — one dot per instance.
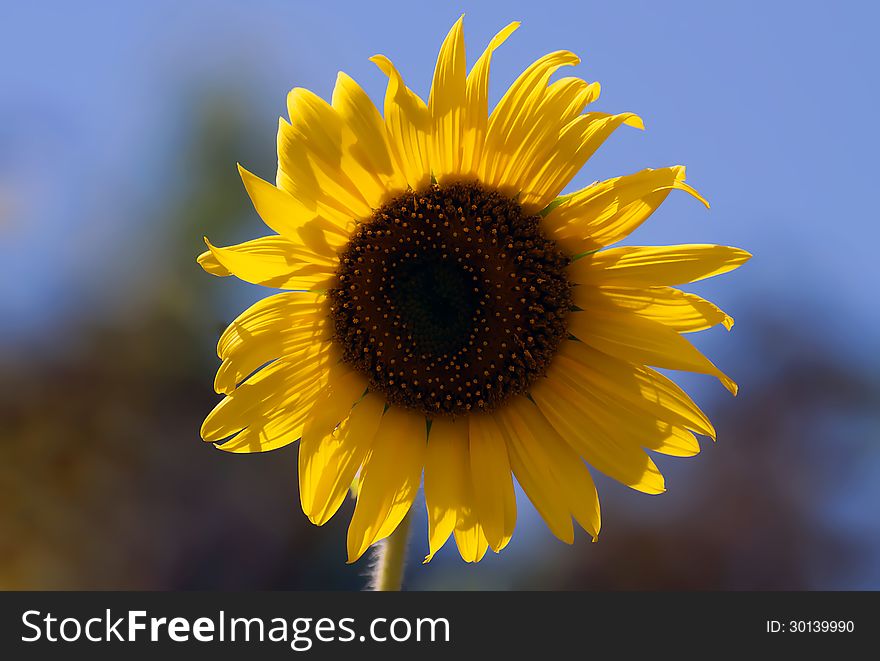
[450, 300]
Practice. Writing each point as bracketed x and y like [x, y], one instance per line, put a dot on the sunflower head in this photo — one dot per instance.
[448, 313]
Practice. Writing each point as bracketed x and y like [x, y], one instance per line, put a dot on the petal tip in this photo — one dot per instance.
[383, 63]
[635, 122]
[209, 261]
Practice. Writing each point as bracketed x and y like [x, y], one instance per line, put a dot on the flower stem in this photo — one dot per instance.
[390, 560]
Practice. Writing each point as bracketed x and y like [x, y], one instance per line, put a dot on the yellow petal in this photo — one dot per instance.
[277, 429]
[620, 420]
[674, 441]
[333, 405]
[308, 177]
[494, 497]
[509, 120]
[389, 480]
[282, 212]
[271, 315]
[533, 471]
[370, 146]
[569, 475]
[577, 142]
[569, 96]
[299, 176]
[408, 123]
[274, 391]
[610, 210]
[321, 134]
[282, 325]
[647, 266]
[678, 310]
[477, 112]
[645, 390]
[322, 238]
[278, 326]
[576, 422]
[291, 345]
[540, 131]
[470, 538]
[271, 261]
[327, 467]
[446, 479]
[639, 340]
[447, 103]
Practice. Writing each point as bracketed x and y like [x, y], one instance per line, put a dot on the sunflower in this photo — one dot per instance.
[448, 313]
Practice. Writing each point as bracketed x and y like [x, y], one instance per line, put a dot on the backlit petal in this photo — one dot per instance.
[408, 123]
[577, 142]
[578, 425]
[369, 146]
[477, 113]
[610, 210]
[271, 261]
[508, 121]
[646, 391]
[494, 497]
[649, 266]
[533, 470]
[569, 475]
[389, 480]
[446, 105]
[328, 466]
[640, 340]
[446, 479]
[678, 310]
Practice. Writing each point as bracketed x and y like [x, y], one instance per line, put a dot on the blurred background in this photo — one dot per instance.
[120, 128]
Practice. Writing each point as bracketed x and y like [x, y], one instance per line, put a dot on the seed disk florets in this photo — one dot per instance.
[450, 300]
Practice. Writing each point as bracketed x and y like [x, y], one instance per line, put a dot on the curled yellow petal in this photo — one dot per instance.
[477, 111]
[542, 126]
[608, 211]
[408, 123]
[577, 142]
[510, 118]
[272, 261]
